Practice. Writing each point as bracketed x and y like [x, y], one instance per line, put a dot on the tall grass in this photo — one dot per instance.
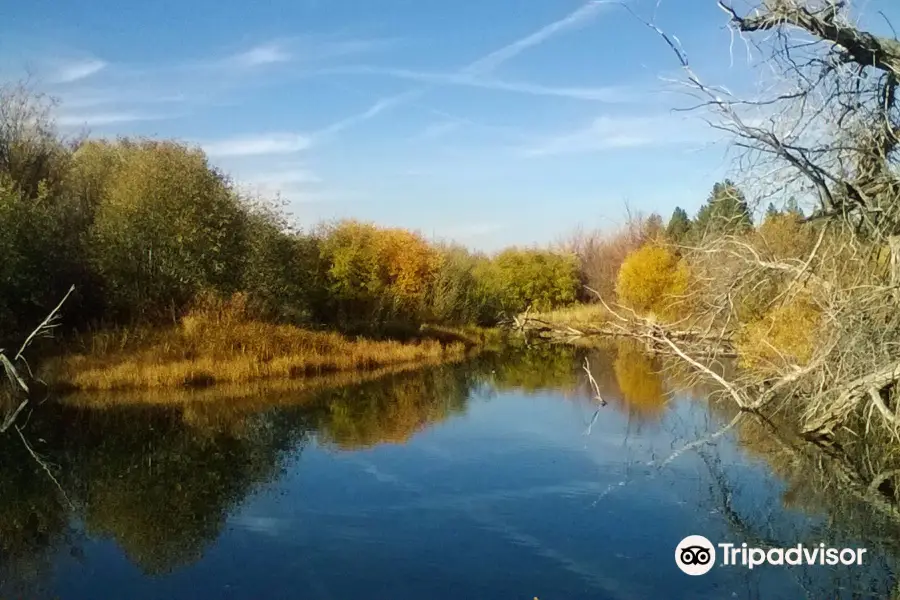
[218, 342]
[577, 316]
[244, 397]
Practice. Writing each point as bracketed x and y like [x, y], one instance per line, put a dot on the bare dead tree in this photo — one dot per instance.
[826, 119]
[823, 125]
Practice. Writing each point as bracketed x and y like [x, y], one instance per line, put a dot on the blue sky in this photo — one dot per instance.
[492, 122]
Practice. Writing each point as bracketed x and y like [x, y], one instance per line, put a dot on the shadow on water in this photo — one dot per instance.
[160, 481]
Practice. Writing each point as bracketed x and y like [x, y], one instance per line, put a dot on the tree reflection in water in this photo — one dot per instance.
[160, 480]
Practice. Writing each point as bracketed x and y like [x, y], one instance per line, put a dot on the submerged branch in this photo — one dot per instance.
[46, 469]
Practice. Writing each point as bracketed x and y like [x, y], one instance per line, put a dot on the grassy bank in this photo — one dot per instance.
[225, 347]
[578, 316]
[245, 397]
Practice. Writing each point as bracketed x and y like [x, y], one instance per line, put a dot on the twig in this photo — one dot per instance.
[593, 382]
[43, 324]
[12, 418]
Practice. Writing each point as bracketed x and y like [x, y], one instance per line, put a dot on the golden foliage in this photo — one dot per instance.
[601, 252]
[786, 335]
[409, 265]
[639, 380]
[653, 280]
[378, 271]
[784, 235]
[220, 344]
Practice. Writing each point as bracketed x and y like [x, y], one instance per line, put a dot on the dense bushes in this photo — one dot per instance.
[166, 227]
[653, 280]
[783, 337]
[460, 291]
[519, 278]
[377, 275]
[143, 228]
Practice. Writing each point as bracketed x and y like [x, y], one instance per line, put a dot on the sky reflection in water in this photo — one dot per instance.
[470, 481]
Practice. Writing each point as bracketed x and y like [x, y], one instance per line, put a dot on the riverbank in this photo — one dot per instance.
[215, 349]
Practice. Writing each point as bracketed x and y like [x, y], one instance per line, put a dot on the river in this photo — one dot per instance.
[497, 478]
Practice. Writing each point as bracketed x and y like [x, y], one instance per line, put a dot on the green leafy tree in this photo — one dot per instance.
[542, 279]
[283, 273]
[167, 226]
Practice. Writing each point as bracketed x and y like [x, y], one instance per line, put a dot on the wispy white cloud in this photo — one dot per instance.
[292, 176]
[257, 145]
[94, 97]
[265, 54]
[621, 132]
[102, 118]
[378, 107]
[474, 73]
[310, 48]
[91, 85]
[578, 17]
[289, 143]
[297, 184]
[77, 70]
[335, 47]
[610, 94]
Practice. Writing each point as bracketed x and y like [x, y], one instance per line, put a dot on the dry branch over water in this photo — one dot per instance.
[807, 302]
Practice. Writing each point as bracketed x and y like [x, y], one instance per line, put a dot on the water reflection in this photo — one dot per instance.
[163, 481]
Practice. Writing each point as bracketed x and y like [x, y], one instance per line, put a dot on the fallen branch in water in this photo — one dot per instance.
[45, 467]
[631, 325]
[7, 423]
[707, 440]
[593, 382]
[16, 379]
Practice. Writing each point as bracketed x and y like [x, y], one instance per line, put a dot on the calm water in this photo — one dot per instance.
[495, 479]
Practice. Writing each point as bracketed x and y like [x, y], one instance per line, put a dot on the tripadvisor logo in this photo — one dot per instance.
[696, 555]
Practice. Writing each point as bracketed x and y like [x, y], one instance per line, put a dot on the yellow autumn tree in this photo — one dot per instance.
[787, 335]
[408, 266]
[653, 280]
[785, 235]
[376, 272]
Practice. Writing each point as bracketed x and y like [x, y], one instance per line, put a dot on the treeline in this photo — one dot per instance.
[145, 228]
[769, 286]
[601, 254]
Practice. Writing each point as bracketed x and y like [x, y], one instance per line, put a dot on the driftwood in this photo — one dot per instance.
[871, 386]
[21, 385]
[658, 338]
[20, 379]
